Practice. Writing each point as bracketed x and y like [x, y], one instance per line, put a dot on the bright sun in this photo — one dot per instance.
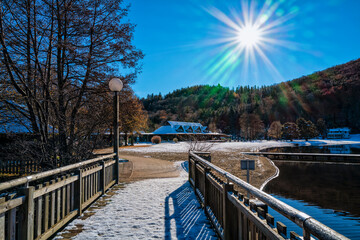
[249, 36]
[245, 37]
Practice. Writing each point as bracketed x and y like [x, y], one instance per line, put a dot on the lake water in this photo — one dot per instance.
[328, 192]
[335, 149]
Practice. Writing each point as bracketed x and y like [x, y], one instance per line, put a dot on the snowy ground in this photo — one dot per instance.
[182, 147]
[165, 208]
[150, 209]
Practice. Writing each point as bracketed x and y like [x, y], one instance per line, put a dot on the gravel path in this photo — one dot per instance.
[149, 209]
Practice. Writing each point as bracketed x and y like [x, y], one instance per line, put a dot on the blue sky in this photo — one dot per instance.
[186, 42]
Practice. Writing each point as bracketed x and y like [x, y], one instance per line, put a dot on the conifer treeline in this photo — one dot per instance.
[332, 94]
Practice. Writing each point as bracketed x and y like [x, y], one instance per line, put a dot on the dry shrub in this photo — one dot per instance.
[198, 145]
[156, 139]
[175, 140]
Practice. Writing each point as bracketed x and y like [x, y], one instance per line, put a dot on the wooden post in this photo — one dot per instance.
[206, 187]
[63, 199]
[228, 187]
[189, 166]
[11, 225]
[240, 226]
[46, 209]
[87, 187]
[306, 235]
[194, 176]
[27, 215]
[38, 213]
[58, 203]
[72, 205]
[102, 177]
[78, 192]
[52, 205]
[68, 197]
[2, 220]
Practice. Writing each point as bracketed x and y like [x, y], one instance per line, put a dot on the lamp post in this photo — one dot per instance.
[115, 86]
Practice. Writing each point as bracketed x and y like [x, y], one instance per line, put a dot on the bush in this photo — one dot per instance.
[175, 140]
[156, 139]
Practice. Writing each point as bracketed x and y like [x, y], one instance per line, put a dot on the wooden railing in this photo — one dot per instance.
[37, 206]
[19, 167]
[235, 216]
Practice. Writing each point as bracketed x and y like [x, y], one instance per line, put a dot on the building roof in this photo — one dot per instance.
[174, 123]
[175, 127]
[165, 130]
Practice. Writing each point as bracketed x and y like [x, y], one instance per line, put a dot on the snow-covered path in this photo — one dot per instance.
[150, 209]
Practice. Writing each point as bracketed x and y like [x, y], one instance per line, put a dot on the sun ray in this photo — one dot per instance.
[249, 35]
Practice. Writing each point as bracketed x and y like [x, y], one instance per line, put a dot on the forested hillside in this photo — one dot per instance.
[332, 94]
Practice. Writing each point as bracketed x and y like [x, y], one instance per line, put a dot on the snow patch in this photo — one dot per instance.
[150, 209]
[253, 146]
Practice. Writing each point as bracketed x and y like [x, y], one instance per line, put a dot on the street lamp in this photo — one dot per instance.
[115, 86]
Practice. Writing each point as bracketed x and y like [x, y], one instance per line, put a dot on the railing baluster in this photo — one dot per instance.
[58, 203]
[11, 227]
[39, 206]
[79, 192]
[46, 209]
[68, 197]
[52, 206]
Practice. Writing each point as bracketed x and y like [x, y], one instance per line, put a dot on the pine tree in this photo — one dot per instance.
[321, 127]
[307, 129]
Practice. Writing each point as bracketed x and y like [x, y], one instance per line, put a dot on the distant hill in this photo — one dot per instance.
[332, 94]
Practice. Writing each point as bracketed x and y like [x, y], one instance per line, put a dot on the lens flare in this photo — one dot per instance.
[246, 36]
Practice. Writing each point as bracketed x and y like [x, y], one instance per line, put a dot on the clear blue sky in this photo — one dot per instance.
[186, 42]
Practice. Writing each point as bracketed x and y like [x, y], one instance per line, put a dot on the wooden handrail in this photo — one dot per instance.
[28, 179]
[300, 218]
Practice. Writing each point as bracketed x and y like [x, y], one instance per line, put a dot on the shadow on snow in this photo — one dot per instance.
[184, 214]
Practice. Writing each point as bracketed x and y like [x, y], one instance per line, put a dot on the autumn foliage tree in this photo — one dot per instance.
[290, 131]
[56, 58]
[133, 118]
[275, 130]
[251, 126]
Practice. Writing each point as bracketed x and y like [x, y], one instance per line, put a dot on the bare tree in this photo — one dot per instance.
[56, 57]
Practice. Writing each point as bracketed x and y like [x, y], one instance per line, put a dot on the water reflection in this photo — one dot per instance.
[345, 225]
[332, 186]
[333, 149]
[328, 192]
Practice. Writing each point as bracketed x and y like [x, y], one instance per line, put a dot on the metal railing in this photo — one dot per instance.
[235, 216]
